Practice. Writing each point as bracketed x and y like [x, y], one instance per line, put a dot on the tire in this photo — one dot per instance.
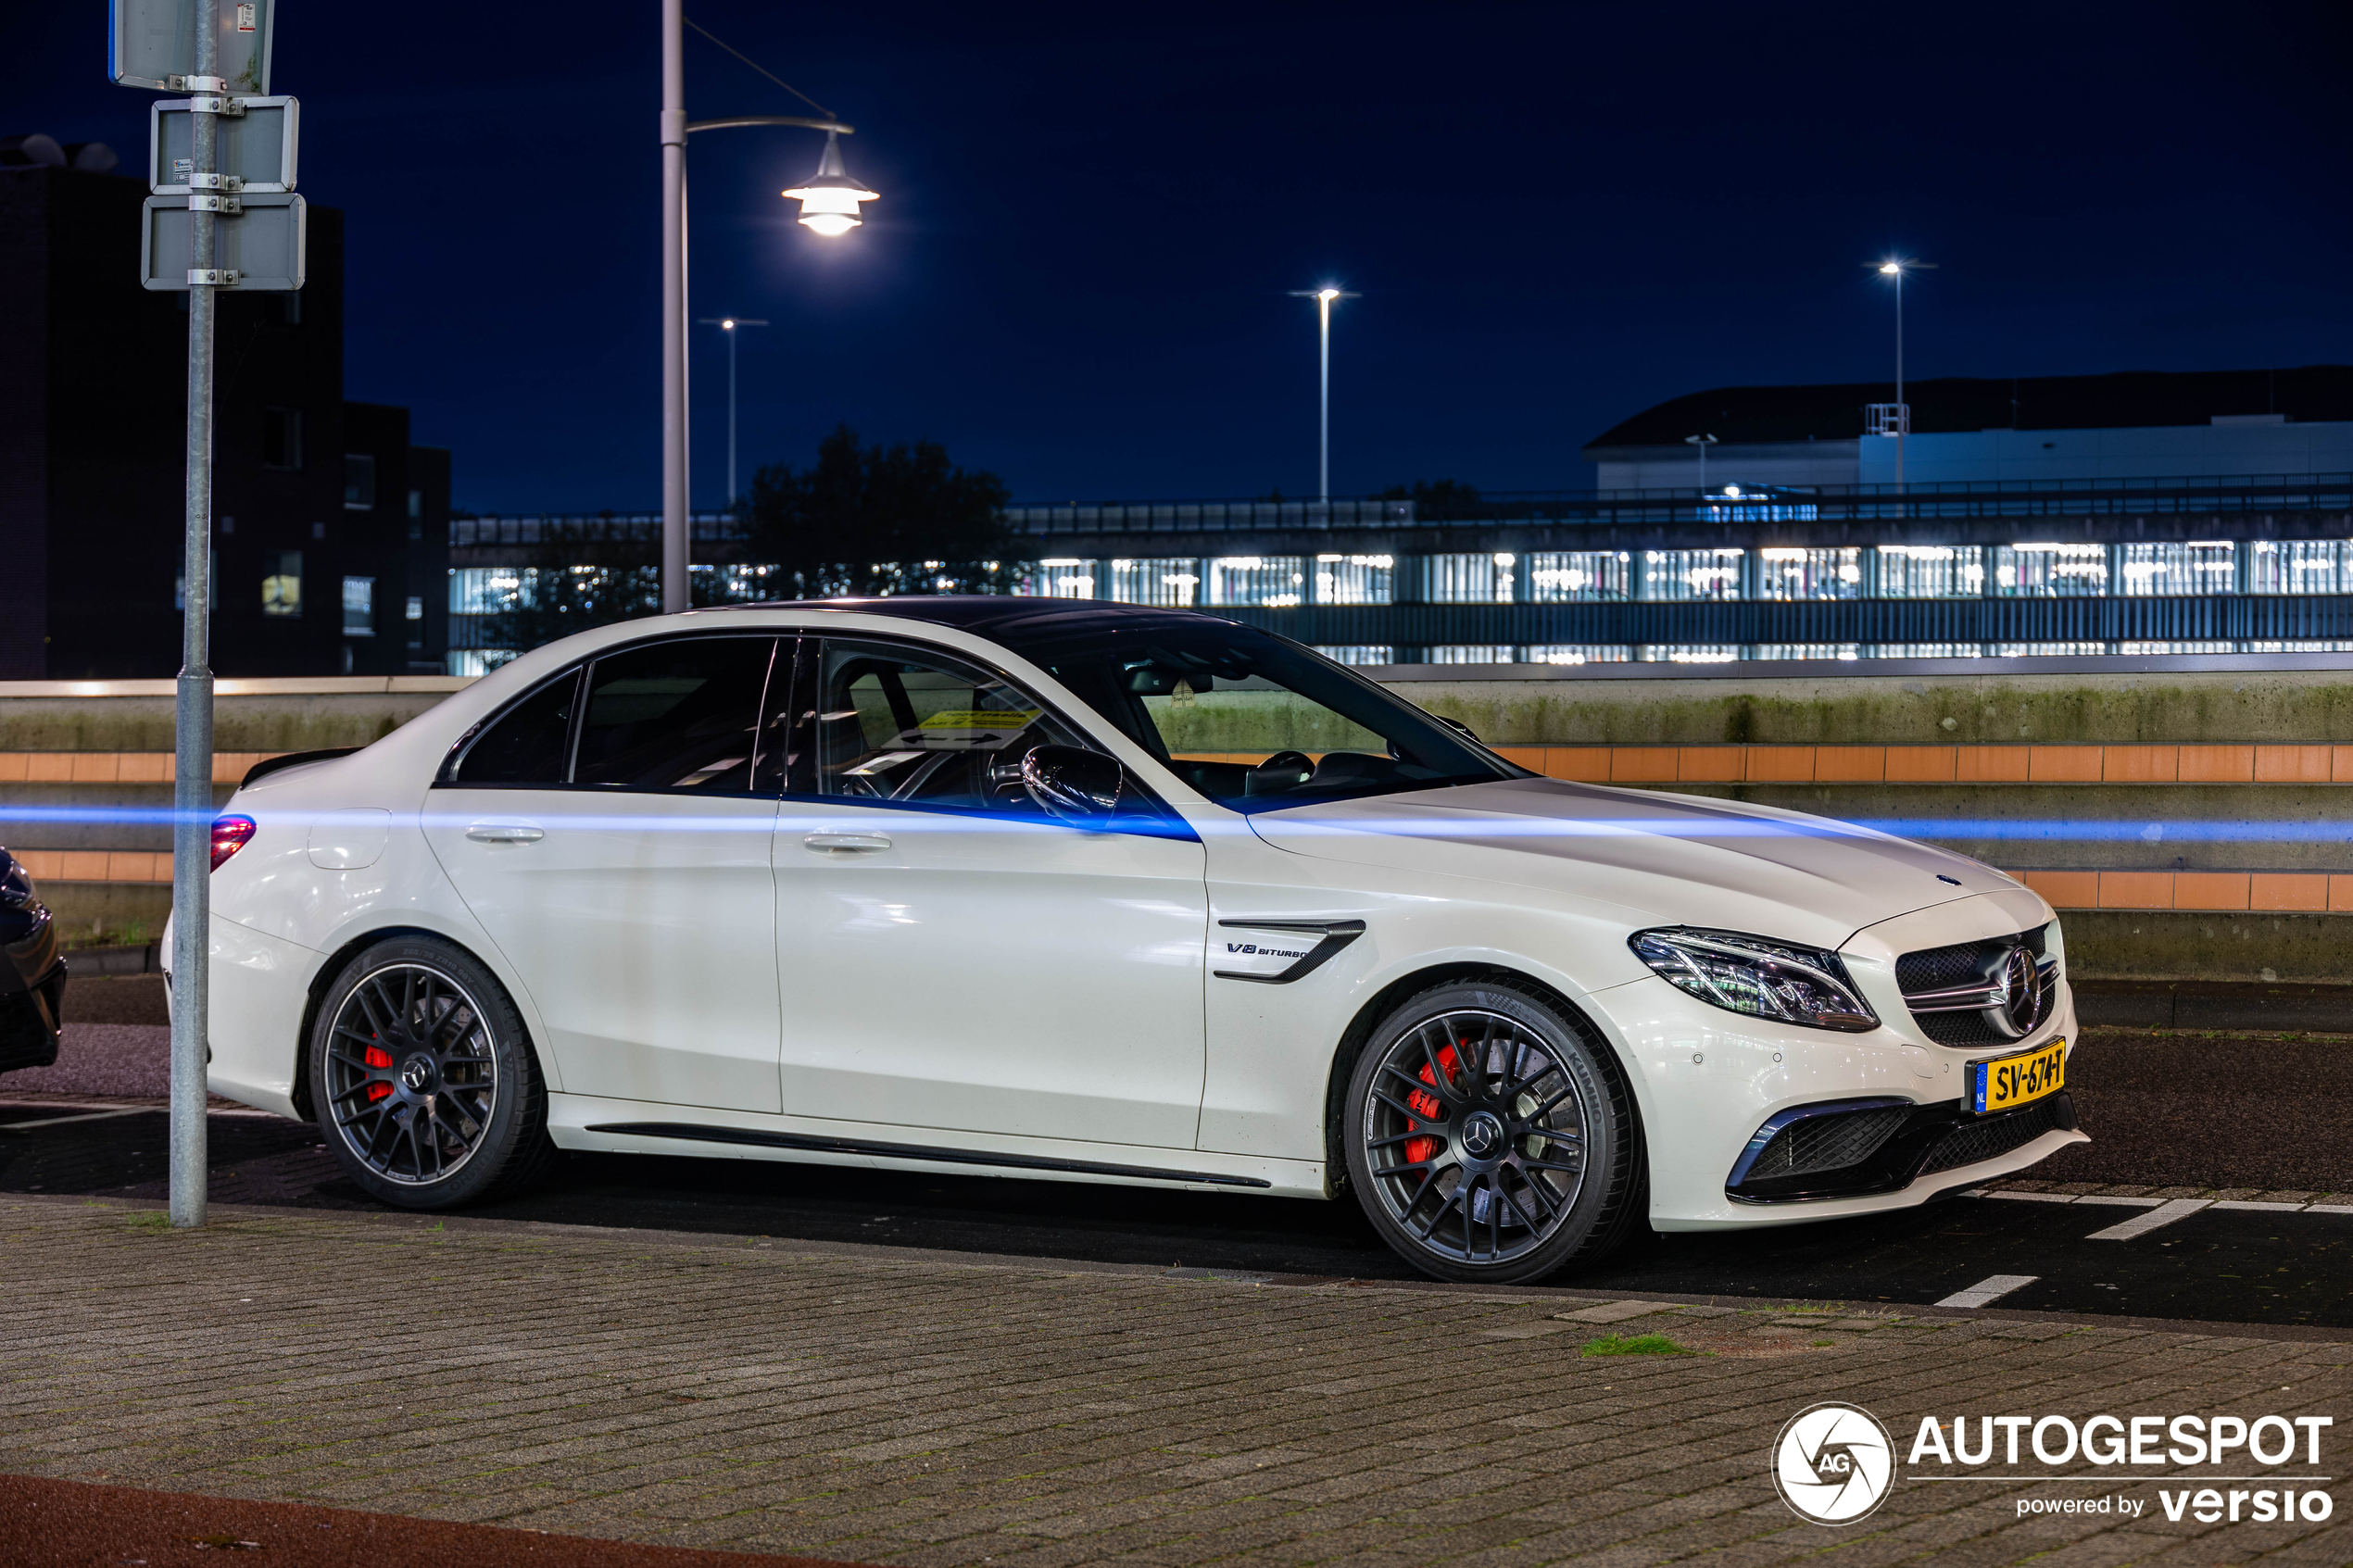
[1498, 1171]
[423, 1079]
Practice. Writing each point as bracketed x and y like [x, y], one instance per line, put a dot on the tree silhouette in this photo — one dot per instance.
[885, 520]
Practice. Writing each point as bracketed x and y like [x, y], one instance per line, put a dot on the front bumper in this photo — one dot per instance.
[1710, 1080]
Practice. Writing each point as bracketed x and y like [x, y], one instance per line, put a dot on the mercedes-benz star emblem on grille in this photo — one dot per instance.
[2014, 993]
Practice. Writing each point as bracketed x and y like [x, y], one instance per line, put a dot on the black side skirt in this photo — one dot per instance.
[694, 1133]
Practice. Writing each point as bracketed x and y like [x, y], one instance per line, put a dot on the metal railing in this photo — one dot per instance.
[1729, 504]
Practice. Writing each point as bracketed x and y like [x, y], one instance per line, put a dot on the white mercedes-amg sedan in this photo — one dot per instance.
[1100, 893]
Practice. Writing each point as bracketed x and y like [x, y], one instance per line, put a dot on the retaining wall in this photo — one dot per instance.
[2194, 824]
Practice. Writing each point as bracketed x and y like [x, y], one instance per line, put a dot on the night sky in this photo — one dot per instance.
[1076, 274]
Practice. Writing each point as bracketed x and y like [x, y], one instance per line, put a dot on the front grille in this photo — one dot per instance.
[1826, 1143]
[1937, 969]
[1997, 1135]
[1933, 969]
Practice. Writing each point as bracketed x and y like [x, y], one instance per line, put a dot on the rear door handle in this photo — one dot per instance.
[845, 843]
[505, 833]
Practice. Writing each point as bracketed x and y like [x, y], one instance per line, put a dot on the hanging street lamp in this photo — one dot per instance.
[829, 198]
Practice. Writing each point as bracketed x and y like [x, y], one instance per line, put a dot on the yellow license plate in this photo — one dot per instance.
[2015, 1080]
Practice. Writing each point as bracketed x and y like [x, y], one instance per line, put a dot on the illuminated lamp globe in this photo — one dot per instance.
[829, 198]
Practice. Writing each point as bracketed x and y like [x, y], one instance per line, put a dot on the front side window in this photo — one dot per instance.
[1256, 722]
[680, 715]
[917, 727]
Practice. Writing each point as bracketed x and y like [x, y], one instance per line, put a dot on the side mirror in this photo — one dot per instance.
[1072, 785]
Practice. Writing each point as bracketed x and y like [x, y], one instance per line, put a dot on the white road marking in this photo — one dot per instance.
[2236, 1203]
[2120, 1202]
[2329, 1208]
[2141, 1225]
[1988, 1290]
[2034, 1196]
[61, 1120]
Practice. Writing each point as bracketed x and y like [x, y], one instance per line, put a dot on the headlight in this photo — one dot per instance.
[1757, 976]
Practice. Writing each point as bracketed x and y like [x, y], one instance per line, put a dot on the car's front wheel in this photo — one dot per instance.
[1487, 1138]
[422, 1078]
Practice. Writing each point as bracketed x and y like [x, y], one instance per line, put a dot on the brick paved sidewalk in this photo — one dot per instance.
[929, 1408]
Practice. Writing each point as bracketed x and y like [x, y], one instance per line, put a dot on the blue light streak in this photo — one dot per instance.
[1468, 826]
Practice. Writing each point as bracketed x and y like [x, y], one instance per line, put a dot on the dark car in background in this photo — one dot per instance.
[32, 973]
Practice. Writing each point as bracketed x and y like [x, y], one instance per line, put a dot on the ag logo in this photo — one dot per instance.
[1832, 1463]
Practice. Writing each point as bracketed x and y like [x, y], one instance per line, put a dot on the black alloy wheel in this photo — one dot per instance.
[1488, 1138]
[422, 1080]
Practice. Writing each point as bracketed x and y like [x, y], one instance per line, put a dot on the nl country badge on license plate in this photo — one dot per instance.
[2013, 1081]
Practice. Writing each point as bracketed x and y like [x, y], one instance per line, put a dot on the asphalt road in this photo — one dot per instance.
[2255, 1115]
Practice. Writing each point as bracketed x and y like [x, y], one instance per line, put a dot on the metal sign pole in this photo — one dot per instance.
[191, 750]
[674, 310]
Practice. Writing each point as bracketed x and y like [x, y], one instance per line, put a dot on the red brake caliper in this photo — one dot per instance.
[1426, 1106]
[378, 1057]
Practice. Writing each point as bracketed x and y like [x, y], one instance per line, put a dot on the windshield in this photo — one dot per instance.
[1256, 722]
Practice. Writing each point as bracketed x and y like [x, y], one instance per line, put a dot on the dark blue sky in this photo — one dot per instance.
[1076, 274]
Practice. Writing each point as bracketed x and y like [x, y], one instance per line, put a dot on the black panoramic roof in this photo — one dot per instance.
[1002, 615]
[1739, 414]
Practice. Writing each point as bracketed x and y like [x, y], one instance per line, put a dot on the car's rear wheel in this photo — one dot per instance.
[1488, 1139]
[424, 1080]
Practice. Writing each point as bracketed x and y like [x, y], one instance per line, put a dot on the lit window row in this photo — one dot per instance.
[2029, 568]
[1730, 653]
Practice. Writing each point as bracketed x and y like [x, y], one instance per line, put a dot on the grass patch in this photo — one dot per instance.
[1641, 1344]
[150, 1222]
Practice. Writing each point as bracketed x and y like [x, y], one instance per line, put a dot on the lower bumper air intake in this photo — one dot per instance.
[1855, 1148]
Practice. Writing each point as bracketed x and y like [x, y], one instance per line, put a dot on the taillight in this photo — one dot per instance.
[229, 835]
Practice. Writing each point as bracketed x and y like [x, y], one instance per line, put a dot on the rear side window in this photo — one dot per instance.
[680, 715]
[525, 746]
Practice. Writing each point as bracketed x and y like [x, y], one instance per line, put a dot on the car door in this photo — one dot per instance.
[951, 957]
[611, 833]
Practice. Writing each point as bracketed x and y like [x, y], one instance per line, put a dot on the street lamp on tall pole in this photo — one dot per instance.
[1702, 442]
[1898, 417]
[829, 203]
[732, 326]
[1322, 298]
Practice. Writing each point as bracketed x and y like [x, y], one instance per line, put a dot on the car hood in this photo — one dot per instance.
[1665, 859]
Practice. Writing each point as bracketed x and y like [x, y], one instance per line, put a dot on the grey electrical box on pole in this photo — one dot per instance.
[221, 164]
[155, 44]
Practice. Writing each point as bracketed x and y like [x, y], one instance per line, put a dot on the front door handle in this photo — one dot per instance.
[845, 843]
[505, 833]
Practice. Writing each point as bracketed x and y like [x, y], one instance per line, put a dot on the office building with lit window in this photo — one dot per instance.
[2127, 514]
[330, 528]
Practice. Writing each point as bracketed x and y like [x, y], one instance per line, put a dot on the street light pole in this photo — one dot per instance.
[731, 325]
[673, 308]
[1703, 443]
[829, 202]
[1896, 268]
[192, 729]
[1322, 298]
